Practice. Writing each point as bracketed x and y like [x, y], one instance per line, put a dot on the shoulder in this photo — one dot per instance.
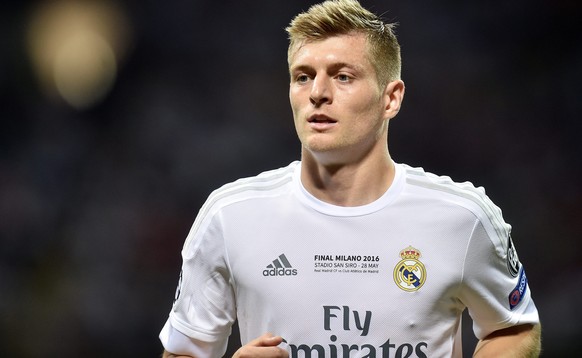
[443, 185]
[444, 189]
[266, 184]
[258, 185]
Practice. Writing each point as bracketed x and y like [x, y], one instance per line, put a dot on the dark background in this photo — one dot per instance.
[95, 202]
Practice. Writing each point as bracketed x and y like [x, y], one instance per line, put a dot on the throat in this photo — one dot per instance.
[345, 185]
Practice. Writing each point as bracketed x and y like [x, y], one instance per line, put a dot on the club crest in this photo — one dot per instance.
[513, 264]
[410, 273]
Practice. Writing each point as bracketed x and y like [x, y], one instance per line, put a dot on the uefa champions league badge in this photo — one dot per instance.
[519, 291]
[410, 273]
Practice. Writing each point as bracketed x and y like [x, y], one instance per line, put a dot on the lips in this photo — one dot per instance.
[320, 118]
[321, 122]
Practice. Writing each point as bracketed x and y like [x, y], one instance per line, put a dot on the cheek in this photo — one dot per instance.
[295, 102]
[296, 113]
[365, 110]
[372, 105]
[369, 116]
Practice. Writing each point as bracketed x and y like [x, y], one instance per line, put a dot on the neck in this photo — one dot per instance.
[348, 184]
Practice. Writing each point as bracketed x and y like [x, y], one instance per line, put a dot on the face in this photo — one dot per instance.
[339, 109]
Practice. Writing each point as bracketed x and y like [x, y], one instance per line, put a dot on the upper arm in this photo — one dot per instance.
[495, 287]
[517, 341]
[185, 346]
[167, 354]
[204, 310]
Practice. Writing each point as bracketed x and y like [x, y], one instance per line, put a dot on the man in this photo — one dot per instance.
[346, 253]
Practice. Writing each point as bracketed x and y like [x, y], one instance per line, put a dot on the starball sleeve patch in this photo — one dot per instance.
[410, 273]
[517, 294]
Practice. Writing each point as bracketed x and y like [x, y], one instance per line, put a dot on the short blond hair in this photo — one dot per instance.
[339, 17]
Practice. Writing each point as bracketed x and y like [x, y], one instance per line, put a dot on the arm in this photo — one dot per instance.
[519, 341]
[172, 355]
[264, 346]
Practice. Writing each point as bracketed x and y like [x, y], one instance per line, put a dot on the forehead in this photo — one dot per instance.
[348, 48]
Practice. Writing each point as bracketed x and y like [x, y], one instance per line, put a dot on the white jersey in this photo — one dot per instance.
[387, 279]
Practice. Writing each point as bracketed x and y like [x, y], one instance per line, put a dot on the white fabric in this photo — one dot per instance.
[178, 343]
[264, 250]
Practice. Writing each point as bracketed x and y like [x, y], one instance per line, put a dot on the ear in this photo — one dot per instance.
[394, 95]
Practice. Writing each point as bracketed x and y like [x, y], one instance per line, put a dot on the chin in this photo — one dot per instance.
[319, 147]
[325, 155]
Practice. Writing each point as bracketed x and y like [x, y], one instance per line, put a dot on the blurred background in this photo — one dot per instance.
[118, 118]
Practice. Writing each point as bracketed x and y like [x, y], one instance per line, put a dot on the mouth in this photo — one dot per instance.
[321, 119]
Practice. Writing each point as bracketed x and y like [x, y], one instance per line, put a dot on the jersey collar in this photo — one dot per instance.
[334, 210]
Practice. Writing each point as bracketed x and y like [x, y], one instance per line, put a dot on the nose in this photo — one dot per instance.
[320, 91]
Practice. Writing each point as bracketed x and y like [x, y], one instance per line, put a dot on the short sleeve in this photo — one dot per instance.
[495, 288]
[204, 307]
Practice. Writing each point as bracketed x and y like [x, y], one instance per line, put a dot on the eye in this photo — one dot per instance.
[342, 77]
[302, 78]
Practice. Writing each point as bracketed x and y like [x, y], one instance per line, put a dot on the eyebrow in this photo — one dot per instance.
[333, 67]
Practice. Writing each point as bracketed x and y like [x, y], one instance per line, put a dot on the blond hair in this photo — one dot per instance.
[340, 17]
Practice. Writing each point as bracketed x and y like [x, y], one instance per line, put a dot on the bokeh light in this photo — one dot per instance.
[75, 49]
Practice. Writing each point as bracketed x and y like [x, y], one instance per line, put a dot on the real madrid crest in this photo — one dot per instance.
[512, 260]
[410, 273]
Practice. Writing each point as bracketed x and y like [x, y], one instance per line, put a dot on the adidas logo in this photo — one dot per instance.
[280, 267]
